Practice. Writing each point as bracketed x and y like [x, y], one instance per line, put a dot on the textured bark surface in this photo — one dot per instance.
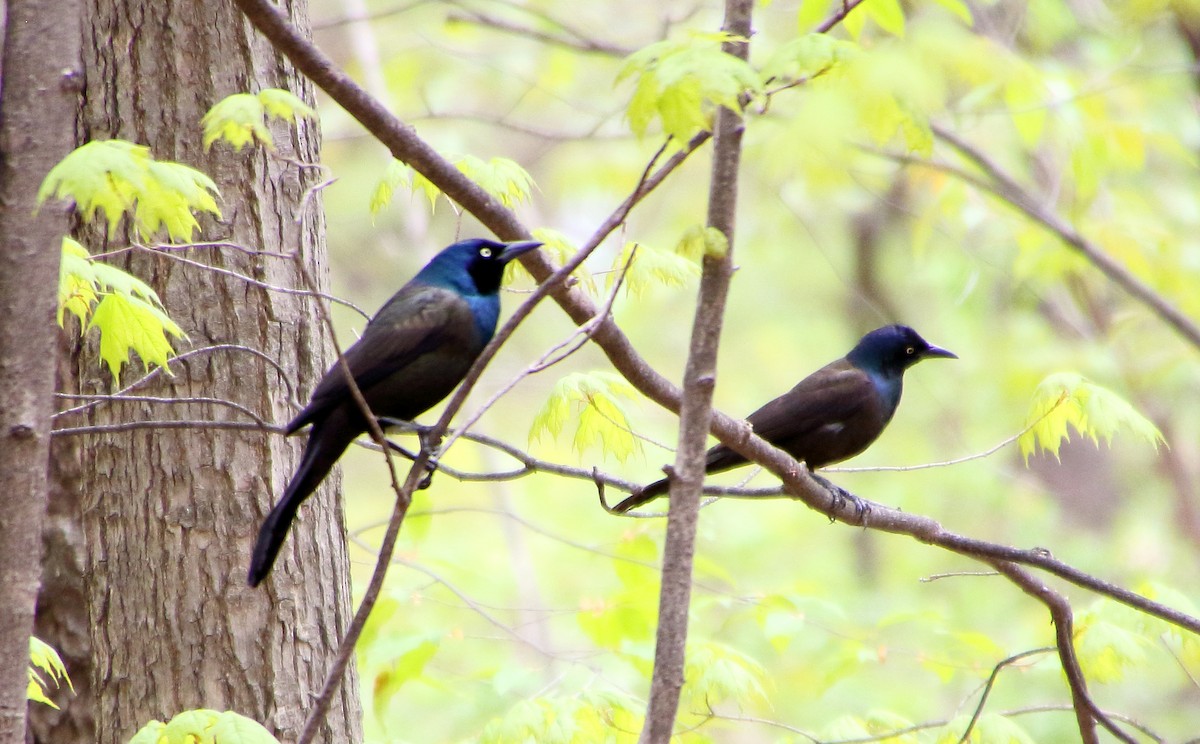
[169, 515]
[41, 52]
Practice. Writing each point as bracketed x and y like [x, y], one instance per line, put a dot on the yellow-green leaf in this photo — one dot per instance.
[117, 178]
[239, 119]
[285, 105]
[594, 400]
[680, 82]
[130, 324]
[715, 673]
[100, 176]
[397, 174]
[560, 249]
[1067, 399]
[650, 268]
[500, 177]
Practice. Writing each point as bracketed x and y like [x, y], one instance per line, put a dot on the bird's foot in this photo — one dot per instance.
[840, 497]
[431, 463]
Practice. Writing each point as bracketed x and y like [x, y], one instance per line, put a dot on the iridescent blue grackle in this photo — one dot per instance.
[833, 414]
[416, 349]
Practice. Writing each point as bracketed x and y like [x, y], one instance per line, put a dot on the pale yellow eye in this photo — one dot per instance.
[910, 350]
[485, 252]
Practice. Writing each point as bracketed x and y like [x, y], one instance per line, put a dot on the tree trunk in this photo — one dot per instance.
[169, 515]
[41, 52]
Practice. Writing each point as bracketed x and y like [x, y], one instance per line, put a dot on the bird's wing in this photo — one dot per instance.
[416, 321]
[831, 396]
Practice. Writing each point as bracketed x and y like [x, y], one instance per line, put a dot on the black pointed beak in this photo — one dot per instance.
[937, 351]
[512, 250]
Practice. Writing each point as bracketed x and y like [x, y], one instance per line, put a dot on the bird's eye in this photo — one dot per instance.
[911, 350]
[485, 252]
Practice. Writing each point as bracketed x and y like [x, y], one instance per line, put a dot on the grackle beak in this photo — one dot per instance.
[512, 250]
[937, 351]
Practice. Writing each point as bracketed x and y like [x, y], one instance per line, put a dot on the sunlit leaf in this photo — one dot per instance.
[395, 176]
[239, 119]
[560, 249]
[680, 82]
[989, 729]
[715, 673]
[1067, 400]
[100, 176]
[285, 105]
[118, 178]
[594, 401]
[651, 268]
[808, 56]
[130, 324]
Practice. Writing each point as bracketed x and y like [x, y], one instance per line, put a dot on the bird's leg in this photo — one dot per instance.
[422, 433]
[840, 497]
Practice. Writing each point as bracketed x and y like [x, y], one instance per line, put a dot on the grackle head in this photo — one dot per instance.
[473, 266]
[892, 349]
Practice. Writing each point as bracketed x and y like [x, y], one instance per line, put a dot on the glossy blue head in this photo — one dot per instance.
[889, 351]
[473, 267]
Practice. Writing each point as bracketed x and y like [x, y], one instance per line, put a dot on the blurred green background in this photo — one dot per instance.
[519, 610]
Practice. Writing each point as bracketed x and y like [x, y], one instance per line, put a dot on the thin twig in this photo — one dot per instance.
[103, 398]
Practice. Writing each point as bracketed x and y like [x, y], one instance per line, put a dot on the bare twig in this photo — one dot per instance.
[571, 38]
[999, 183]
[102, 398]
[699, 379]
[991, 682]
[283, 374]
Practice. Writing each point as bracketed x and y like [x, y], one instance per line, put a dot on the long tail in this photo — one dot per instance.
[718, 458]
[644, 496]
[326, 444]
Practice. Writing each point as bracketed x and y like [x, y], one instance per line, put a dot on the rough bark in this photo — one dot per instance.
[699, 379]
[41, 53]
[168, 516]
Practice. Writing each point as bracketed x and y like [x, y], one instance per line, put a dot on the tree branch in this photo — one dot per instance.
[699, 379]
[999, 183]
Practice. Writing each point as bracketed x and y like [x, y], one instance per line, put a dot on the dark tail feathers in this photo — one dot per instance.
[325, 446]
[644, 496]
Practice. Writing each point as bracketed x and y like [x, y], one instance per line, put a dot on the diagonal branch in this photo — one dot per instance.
[1004, 186]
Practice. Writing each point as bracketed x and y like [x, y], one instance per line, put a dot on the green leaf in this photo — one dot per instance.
[406, 658]
[239, 119]
[715, 673]
[560, 249]
[130, 324]
[699, 242]
[808, 56]
[283, 104]
[991, 728]
[203, 726]
[682, 82]
[151, 733]
[650, 268]
[171, 193]
[960, 9]
[427, 187]
[500, 177]
[76, 282]
[1069, 399]
[117, 178]
[234, 728]
[585, 719]
[1024, 94]
[888, 14]
[101, 176]
[397, 174]
[594, 400]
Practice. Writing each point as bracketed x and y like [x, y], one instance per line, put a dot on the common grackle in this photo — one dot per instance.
[831, 415]
[415, 350]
